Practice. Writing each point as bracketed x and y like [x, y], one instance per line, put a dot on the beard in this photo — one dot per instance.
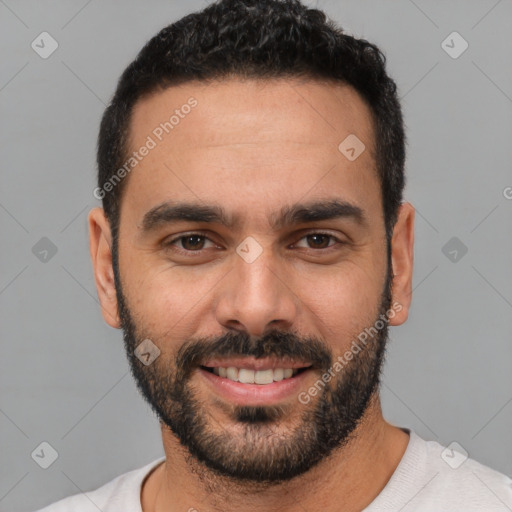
[263, 446]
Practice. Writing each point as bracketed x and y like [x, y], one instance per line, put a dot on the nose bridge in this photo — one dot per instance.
[256, 294]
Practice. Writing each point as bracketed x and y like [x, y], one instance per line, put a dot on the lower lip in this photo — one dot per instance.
[256, 394]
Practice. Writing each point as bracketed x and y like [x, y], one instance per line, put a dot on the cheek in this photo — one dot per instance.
[342, 303]
[166, 303]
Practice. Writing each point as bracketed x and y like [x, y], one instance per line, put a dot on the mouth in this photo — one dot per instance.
[251, 376]
[248, 381]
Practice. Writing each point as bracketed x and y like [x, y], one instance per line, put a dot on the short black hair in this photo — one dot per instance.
[256, 39]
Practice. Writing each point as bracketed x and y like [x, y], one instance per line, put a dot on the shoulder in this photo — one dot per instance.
[448, 479]
[474, 486]
[431, 477]
[121, 493]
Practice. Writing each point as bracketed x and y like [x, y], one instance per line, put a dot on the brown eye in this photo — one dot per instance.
[188, 243]
[192, 242]
[320, 241]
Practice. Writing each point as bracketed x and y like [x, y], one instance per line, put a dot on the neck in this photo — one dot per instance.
[349, 480]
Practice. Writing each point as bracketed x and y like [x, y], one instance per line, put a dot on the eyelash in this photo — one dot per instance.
[189, 253]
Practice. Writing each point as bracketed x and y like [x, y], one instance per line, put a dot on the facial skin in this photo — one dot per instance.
[252, 148]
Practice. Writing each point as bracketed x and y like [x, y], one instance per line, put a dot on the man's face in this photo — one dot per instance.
[267, 292]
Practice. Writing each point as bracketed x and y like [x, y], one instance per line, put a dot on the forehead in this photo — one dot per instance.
[246, 142]
[254, 111]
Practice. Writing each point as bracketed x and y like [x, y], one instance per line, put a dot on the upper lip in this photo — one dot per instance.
[252, 363]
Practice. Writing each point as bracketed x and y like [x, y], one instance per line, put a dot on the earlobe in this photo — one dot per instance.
[100, 244]
[402, 261]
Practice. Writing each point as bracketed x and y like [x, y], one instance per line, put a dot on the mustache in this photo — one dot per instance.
[275, 343]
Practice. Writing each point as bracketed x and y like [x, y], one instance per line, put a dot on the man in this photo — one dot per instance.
[254, 247]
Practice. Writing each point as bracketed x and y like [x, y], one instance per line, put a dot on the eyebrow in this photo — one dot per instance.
[300, 213]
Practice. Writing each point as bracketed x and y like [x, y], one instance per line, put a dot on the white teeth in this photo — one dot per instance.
[232, 373]
[247, 376]
[278, 374]
[264, 376]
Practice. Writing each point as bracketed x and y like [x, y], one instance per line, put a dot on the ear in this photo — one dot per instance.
[402, 260]
[100, 243]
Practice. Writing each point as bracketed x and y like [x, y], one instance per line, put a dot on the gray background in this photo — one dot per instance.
[63, 374]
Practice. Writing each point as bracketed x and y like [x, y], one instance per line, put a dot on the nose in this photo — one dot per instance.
[257, 297]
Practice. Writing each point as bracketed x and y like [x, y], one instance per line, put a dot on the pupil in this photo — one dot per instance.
[316, 239]
[193, 245]
[324, 237]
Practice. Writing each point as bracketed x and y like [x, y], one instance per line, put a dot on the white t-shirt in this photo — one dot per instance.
[429, 478]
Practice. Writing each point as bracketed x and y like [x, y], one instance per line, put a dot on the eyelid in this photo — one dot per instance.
[173, 240]
[338, 241]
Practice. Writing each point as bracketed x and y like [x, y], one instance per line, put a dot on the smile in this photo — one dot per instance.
[249, 376]
[249, 381]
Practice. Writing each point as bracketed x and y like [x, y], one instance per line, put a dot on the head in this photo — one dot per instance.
[251, 168]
